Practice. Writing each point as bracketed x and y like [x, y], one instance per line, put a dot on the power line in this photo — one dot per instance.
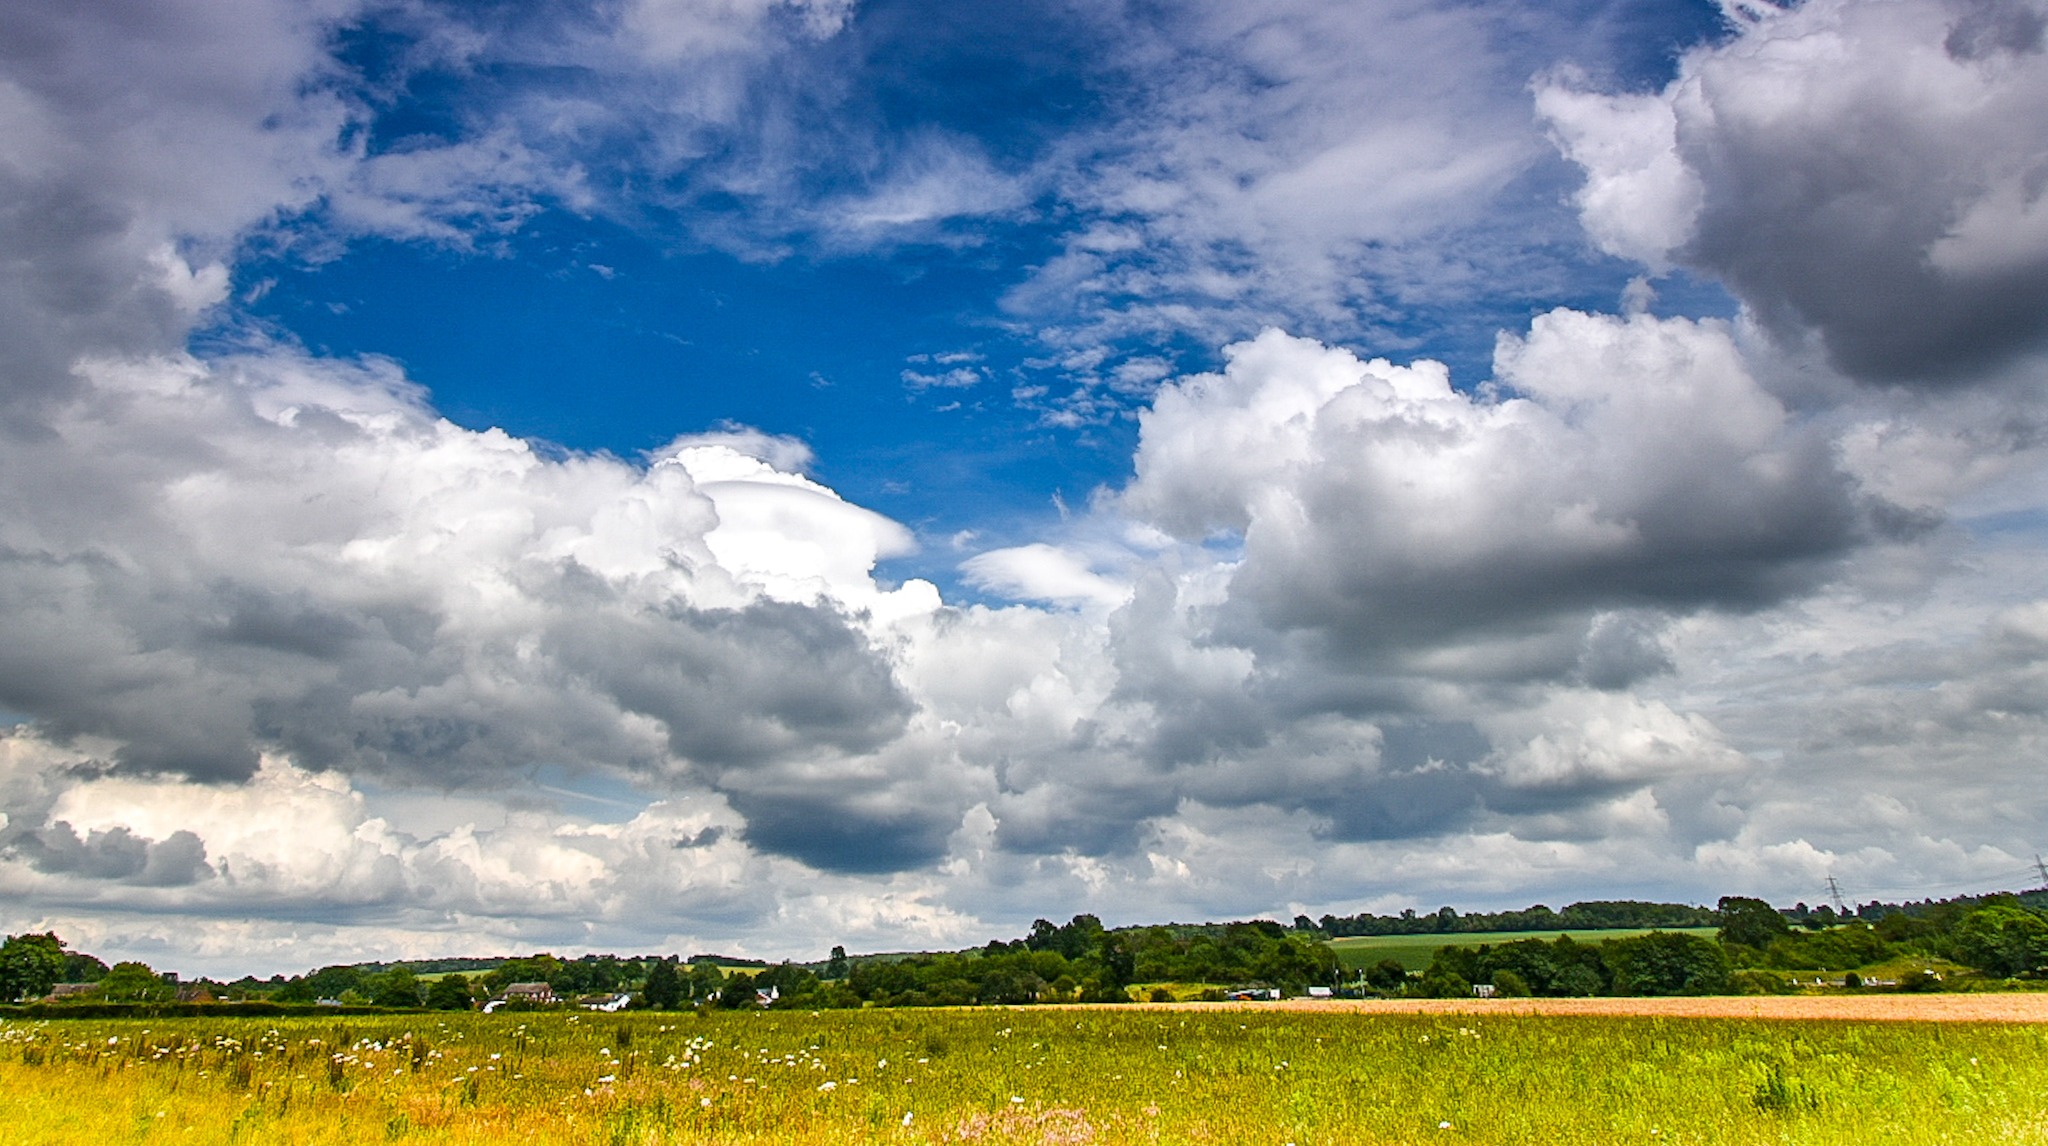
[1835, 893]
[1975, 884]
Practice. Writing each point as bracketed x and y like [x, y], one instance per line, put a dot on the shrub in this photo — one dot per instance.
[1760, 983]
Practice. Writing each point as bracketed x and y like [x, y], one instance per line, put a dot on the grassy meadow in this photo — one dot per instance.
[1414, 952]
[1054, 1076]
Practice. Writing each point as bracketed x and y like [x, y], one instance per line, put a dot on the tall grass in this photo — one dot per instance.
[1037, 1076]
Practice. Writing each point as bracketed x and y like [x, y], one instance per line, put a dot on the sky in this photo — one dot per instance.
[756, 475]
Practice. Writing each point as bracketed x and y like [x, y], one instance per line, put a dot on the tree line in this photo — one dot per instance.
[2003, 936]
[1998, 937]
[1592, 915]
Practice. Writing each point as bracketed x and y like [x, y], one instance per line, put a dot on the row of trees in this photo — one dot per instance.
[2002, 936]
[1078, 961]
[32, 964]
[1592, 915]
[1659, 963]
[1998, 936]
[374, 983]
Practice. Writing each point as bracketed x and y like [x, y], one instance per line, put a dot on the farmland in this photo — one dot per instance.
[1414, 952]
[1044, 1075]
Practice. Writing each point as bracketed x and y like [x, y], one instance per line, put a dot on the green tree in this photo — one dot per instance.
[397, 987]
[451, 992]
[704, 981]
[1667, 963]
[2002, 941]
[664, 990]
[1750, 922]
[541, 968]
[30, 965]
[135, 983]
[82, 968]
[1440, 982]
[1386, 975]
[836, 967]
[334, 982]
[738, 992]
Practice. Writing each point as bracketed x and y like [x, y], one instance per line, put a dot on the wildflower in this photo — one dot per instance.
[1017, 1099]
[1443, 1126]
[906, 1118]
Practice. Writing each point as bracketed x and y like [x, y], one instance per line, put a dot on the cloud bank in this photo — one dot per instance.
[1664, 605]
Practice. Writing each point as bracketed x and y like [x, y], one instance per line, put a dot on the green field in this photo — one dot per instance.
[1110, 1077]
[1415, 951]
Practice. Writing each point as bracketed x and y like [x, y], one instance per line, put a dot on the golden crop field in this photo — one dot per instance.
[1052, 1076]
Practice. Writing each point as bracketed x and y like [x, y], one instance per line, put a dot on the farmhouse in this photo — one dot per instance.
[539, 994]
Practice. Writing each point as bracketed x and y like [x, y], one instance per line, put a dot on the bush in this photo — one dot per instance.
[1921, 981]
[1667, 963]
[1509, 985]
[1760, 983]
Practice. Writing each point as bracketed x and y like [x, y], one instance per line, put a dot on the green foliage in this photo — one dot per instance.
[30, 965]
[532, 969]
[1561, 968]
[82, 968]
[664, 990]
[738, 992]
[451, 992]
[1082, 962]
[1754, 982]
[334, 982]
[1509, 985]
[135, 983]
[397, 987]
[1386, 975]
[1656, 963]
[2006, 941]
[1667, 963]
[1750, 922]
[1592, 915]
[1440, 982]
[1836, 949]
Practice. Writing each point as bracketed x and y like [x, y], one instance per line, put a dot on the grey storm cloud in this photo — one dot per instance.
[225, 570]
[1869, 172]
[739, 686]
[1621, 466]
[202, 563]
[116, 854]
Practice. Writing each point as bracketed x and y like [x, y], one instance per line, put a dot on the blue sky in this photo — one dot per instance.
[618, 324]
[762, 474]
